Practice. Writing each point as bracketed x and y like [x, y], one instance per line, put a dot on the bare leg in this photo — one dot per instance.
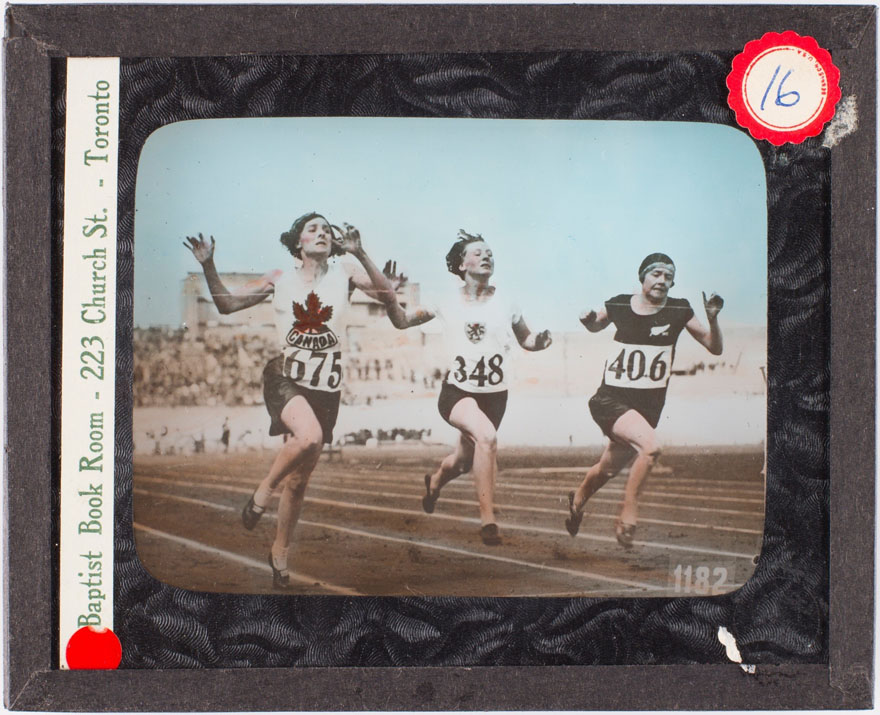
[453, 465]
[290, 502]
[293, 465]
[613, 459]
[474, 424]
[632, 428]
[295, 454]
[615, 456]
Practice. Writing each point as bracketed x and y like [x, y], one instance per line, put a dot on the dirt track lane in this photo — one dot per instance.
[362, 529]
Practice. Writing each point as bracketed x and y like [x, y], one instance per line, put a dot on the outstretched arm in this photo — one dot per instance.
[227, 301]
[375, 283]
[402, 319]
[594, 320]
[710, 338]
[381, 285]
[529, 340]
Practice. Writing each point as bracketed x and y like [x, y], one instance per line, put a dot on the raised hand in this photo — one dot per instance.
[713, 305]
[390, 272]
[543, 340]
[201, 249]
[588, 318]
[350, 242]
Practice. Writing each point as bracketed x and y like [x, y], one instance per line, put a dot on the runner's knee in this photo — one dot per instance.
[652, 452]
[309, 442]
[486, 440]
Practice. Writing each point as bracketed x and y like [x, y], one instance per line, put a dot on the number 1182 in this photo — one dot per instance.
[700, 580]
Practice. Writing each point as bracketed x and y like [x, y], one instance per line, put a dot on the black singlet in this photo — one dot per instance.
[640, 361]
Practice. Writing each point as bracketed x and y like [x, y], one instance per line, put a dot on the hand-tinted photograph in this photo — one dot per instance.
[450, 357]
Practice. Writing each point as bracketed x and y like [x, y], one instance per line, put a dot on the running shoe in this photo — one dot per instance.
[251, 514]
[280, 579]
[573, 522]
[429, 500]
[625, 534]
[489, 534]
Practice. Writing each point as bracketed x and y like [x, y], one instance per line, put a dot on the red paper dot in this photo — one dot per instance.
[93, 648]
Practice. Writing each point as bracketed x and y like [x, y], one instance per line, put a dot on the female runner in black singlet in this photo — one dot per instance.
[629, 401]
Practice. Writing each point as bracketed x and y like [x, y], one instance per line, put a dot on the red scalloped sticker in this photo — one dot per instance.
[783, 88]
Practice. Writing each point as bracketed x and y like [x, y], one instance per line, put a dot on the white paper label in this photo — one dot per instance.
[88, 347]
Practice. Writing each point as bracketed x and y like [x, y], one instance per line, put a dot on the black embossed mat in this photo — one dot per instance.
[779, 616]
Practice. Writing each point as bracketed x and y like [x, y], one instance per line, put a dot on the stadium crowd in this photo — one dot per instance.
[172, 370]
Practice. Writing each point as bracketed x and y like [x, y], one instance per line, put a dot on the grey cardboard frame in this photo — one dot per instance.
[36, 34]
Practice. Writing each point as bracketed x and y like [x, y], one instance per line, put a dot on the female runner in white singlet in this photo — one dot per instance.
[302, 385]
[479, 322]
[632, 394]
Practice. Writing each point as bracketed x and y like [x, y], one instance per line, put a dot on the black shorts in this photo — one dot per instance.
[491, 404]
[278, 390]
[606, 407]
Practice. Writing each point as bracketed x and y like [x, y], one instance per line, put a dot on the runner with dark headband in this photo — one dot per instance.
[629, 401]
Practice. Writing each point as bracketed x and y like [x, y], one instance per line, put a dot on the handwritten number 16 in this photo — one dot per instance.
[780, 102]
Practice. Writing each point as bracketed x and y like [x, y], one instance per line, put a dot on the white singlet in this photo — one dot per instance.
[477, 338]
[310, 329]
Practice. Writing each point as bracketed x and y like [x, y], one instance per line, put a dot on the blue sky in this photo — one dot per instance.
[569, 208]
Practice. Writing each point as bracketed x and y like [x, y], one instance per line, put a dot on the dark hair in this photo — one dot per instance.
[652, 259]
[456, 253]
[290, 239]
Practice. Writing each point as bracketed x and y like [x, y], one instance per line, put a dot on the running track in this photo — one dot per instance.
[363, 532]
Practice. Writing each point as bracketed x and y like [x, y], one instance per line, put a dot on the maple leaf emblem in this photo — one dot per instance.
[312, 317]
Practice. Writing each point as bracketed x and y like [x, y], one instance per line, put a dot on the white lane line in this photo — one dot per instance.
[679, 507]
[648, 492]
[657, 480]
[656, 487]
[461, 519]
[466, 483]
[532, 489]
[491, 557]
[420, 544]
[539, 529]
[551, 488]
[317, 484]
[666, 475]
[243, 560]
[540, 510]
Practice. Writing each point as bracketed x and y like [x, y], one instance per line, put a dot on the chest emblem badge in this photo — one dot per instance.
[310, 329]
[659, 330]
[475, 331]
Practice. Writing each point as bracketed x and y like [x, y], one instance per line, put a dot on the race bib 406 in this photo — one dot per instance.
[644, 367]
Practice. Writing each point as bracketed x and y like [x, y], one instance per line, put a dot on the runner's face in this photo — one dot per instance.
[477, 260]
[658, 281]
[315, 239]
